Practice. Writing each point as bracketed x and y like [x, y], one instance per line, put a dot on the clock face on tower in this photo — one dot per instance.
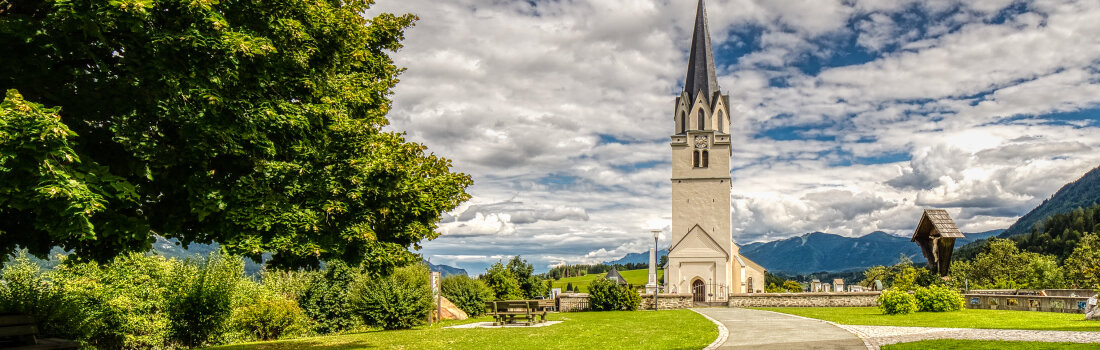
[701, 141]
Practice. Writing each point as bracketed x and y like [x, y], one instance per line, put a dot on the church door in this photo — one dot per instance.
[699, 289]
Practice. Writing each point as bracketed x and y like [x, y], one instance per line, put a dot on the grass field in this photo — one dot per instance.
[637, 277]
[987, 345]
[671, 329]
[965, 318]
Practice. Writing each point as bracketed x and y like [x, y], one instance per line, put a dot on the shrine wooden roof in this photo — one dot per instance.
[936, 223]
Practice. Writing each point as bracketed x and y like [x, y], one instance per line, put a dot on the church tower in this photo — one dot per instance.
[703, 259]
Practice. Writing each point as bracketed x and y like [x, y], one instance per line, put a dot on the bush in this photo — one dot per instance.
[897, 302]
[398, 301]
[269, 316]
[201, 306]
[604, 295]
[24, 290]
[326, 299]
[467, 293]
[121, 304]
[937, 298]
[289, 284]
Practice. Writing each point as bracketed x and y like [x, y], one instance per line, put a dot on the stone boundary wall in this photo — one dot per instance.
[667, 301]
[572, 302]
[839, 299]
[1073, 305]
[569, 302]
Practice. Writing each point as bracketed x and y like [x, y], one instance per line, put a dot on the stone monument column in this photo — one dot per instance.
[651, 287]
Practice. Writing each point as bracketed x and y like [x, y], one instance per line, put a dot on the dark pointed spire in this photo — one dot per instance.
[701, 73]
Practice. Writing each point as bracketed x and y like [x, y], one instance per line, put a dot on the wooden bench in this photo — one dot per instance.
[19, 332]
[511, 311]
[547, 305]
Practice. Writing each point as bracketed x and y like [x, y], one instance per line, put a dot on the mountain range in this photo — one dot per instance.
[1083, 192]
[817, 252]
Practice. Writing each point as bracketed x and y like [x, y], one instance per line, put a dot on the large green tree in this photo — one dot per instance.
[254, 124]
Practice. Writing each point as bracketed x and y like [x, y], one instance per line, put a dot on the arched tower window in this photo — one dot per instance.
[695, 159]
[721, 121]
[705, 160]
[683, 123]
[702, 121]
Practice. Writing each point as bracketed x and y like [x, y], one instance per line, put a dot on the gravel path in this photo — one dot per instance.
[877, 336]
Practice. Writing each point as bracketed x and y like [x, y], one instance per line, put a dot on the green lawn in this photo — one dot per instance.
[965, 318]
[986, 345]
[670, 329]
[637, 277]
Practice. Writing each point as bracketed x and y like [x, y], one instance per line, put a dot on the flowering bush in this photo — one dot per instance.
[937, 298]
[897, 302]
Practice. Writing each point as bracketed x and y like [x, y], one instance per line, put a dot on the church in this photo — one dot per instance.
[702, 258]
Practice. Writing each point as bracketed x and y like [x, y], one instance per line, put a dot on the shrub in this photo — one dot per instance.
[937, 298]
[290, 284]
[121, 303]
[326, 299]
[24, 290]
[897, 302]
[605, 295]
[467, 293]
[269, 316]
[200, 307]
[398, 301]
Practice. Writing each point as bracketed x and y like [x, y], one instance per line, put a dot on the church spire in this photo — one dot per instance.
[701, 73]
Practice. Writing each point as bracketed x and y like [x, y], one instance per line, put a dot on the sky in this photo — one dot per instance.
[848, 117]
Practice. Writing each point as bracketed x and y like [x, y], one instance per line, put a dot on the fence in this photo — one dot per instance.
[712, 292]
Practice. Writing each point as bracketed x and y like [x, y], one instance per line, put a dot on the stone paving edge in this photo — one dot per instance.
[846, 329]
[723, 332]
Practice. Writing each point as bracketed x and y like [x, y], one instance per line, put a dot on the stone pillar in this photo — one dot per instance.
[651, 287]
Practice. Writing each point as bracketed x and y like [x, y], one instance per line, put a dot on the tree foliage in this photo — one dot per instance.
[1001, 264]
[529, 283]
[503, 282]
[792, 286]
[257, 125]
[1083, 265]
[1060, 234]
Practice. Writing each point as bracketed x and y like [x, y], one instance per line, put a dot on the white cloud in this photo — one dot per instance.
[561, 112]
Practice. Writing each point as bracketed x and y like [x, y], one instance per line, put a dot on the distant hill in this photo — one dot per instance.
[638, 258]
[1082, 193]
[446, 270]
[816, 252]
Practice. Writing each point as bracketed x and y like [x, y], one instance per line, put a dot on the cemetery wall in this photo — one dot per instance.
[667, 301]
[803, 299]
[1065, 304]
[568, 302]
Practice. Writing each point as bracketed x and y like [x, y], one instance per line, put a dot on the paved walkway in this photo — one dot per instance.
[755, 329]
[882, 335]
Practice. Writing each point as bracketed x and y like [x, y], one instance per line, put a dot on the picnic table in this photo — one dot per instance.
[516, 312]
[19, 332]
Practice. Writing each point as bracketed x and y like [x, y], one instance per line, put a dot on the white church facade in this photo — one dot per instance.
[703, 259]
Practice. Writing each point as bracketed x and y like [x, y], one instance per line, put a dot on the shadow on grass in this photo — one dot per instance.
[328, 343]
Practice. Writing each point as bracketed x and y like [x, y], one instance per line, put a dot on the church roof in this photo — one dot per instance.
[701, 76]
[936, 223]
[615, 276]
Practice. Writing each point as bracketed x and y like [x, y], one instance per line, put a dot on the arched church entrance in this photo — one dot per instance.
[699, 290]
